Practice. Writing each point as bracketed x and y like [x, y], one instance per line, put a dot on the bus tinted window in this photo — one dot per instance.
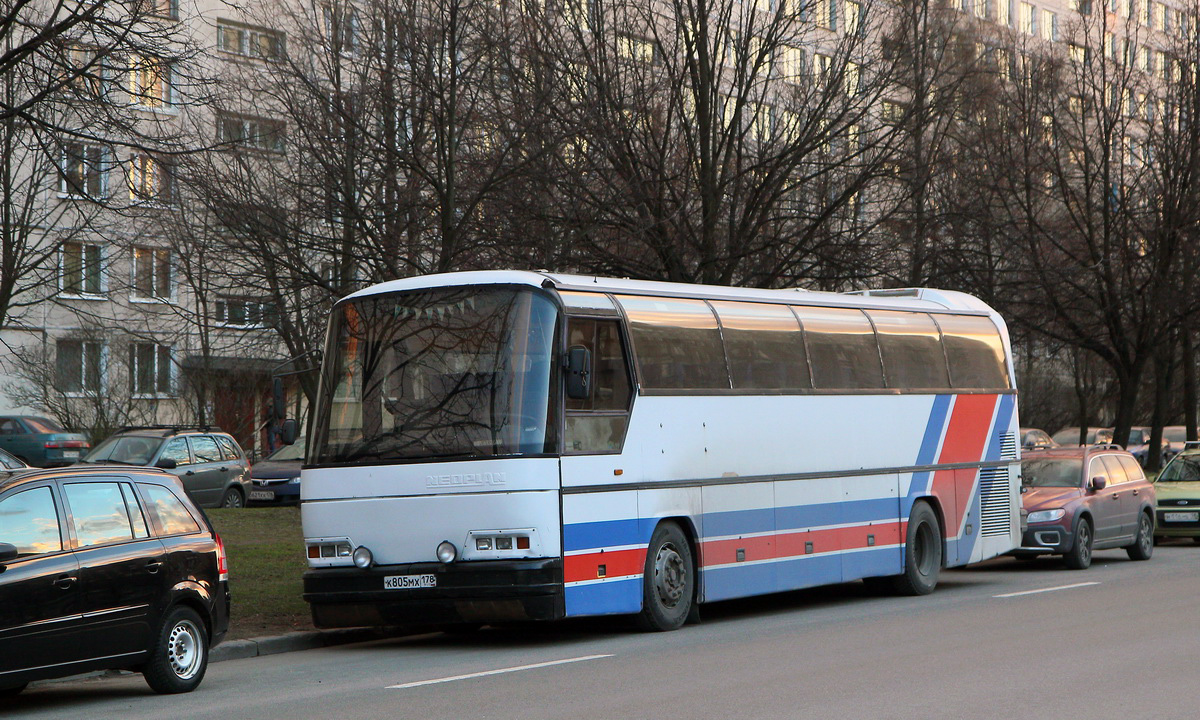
[676, 343]
[975, 352]
[764, 345]
[841, 348]
[912, 350]
[610, 380]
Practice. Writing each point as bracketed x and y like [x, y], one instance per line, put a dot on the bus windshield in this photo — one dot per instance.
[438, 374]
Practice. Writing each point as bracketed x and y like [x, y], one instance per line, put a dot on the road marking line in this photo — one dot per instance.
[495, 672]
[1045, 590]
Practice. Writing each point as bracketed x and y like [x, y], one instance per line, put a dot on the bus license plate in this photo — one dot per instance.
[1181, 516]
[262, 494]
[403, 582]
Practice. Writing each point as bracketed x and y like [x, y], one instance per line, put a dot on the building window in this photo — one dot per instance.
[78, 366]
[151, 273]
[244, 312]
[249, 41]
[162, 8]
[250, 132]
[1049, 26]
[150, 179]
[81, 170]
[635, 48]
[825, 14]
[853, 18]
[150, 369]
[1026, 19]
[80, 269]
[149, 82]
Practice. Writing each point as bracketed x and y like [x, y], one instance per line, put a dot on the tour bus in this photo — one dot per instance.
[506, 445]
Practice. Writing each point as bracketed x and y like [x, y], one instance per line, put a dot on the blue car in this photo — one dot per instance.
[275, 480]
[40, 441]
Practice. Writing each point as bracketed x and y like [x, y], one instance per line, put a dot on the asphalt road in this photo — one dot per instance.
[1003, 639]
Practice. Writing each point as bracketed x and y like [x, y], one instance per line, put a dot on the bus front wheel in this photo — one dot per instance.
[668, 581]
[922, 553]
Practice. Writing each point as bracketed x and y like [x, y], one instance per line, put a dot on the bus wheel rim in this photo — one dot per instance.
[670, 575]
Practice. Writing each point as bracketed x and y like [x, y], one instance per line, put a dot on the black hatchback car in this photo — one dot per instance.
[107, 568]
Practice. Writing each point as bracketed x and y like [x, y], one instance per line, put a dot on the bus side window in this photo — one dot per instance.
[677, 344]
[975, 352]
[841, 348]
[765, 346]
[597, 424]
[912, 350]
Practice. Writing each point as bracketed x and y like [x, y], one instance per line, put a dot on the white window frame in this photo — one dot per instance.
[97, 168]
[156, 295]
[249, 40]
[98, 347]
[84, 267]
[146, 169]
[144, 72]
[221, 311]
[162, 353]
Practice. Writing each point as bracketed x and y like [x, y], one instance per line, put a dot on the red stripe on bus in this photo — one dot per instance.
[617, 563]
[966, 440]
[794, 544]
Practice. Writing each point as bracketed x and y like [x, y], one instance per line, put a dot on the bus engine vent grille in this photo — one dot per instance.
[1008, 446]
[995, 502]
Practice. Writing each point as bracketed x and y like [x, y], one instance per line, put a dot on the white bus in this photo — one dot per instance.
[493, 446]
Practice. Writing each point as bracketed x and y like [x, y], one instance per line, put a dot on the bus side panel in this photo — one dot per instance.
[871, 538]
[604, 553]
[737, 544]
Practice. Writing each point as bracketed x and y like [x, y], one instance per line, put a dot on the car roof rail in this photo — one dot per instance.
[1106, 446]
[1191, 442]
[172, 429]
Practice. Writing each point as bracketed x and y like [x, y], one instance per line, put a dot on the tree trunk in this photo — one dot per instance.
[1189, 384]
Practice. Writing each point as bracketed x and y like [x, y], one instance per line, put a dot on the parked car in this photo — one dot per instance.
[11, 464]
[1083, 499]
[1176, 437]
[1034, 438]
[1139, 444]
[107, 568]
[275, 480]
[1178, 488]
[40, 442]
[212, 466]
[1069, 436]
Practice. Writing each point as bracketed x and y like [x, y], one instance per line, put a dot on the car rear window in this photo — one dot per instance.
[228, 447]
[42, 425]
[170, 512]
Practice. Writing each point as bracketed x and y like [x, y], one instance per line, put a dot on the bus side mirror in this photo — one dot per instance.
[579, 373]
[288, 432]
[278, 399]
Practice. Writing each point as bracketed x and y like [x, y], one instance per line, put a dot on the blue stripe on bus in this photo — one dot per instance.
[606, 533]
[735, 581]
[1004, 414]
[616, 597]
[934, 430]
[615, 533]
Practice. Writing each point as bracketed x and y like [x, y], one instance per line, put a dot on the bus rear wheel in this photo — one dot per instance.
[922, 553]
[668, 580]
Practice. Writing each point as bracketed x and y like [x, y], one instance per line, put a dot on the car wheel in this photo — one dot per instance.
[13, 690]
[233, 498]
[668, 580]
[179, 657]
[1143, 545]
[1080, 556]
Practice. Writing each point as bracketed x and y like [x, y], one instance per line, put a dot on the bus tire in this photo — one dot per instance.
[668, 580]
[922, 552]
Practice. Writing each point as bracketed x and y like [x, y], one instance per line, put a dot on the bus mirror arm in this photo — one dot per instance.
[579, 373]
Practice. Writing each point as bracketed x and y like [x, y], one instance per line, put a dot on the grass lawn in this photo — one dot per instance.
[266, 561]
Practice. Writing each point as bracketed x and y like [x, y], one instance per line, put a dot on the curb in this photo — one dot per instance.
[292, 642]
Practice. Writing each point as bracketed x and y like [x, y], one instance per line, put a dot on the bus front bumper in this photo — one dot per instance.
[463, 592]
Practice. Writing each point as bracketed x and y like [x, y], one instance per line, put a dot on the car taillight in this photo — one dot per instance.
[222, 562]
[53, 445]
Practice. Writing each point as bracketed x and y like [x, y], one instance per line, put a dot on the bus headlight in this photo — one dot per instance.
[362, 557]
[446, 552]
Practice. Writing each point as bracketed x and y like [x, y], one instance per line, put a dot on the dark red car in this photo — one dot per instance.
[1081, 499]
